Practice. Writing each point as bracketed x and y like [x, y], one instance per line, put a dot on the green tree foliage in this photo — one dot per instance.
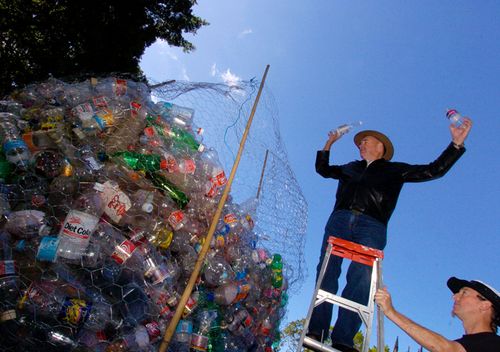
[75, 38]
[290, 337]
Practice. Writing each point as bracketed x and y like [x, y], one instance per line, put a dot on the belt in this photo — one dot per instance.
[356, 211]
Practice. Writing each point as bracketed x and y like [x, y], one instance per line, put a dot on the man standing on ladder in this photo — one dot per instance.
[366, 197]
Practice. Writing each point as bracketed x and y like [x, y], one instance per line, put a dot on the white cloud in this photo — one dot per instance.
[229, 78]
[245, 33]
[184, 74]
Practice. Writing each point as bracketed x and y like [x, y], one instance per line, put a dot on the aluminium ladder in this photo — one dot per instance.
[361, 254]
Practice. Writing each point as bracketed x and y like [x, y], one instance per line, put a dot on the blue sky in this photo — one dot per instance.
[397, 66]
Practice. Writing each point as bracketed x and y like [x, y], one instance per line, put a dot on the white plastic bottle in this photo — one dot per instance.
[80, 223]
[343, 129]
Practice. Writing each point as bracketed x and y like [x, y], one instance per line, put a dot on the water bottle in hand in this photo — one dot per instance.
[343, 129]
[455, 117]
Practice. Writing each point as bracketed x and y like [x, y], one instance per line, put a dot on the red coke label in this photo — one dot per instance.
[123, 251]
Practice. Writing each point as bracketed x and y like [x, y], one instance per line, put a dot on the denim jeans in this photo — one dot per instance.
[358, 228]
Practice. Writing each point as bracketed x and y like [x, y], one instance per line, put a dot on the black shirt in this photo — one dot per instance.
[481, 342]
[374, 189]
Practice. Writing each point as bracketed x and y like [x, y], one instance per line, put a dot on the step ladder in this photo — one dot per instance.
[361, 254]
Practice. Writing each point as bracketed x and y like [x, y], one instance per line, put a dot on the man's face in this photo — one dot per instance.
[370, 148]
[467, 301]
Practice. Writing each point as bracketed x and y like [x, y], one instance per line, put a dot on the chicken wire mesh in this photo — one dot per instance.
[223, 111]
[106, 198]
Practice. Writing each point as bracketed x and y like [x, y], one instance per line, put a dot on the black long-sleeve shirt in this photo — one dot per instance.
[374, 189]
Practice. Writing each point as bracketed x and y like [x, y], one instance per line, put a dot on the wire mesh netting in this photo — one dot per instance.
[106, 200]
[223, 111]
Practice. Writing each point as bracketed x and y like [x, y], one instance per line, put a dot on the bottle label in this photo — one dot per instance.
[8, 315]
[212, 189]
[104, 118]
[248, 321]
[123, 251]
[219, 178]
[153, 329]
[230, 218]
[243, 289]
[184, 327]
[171, 164]
[199, 342]
[265, 329]
[116, 202]
[175, 219]
[189, 166]
[74, 311]
[120, 87]
[190, 304]
[14, 144]
[47, 250]
[100, 101]
[79, 225]
[7, 267]
[84, 111]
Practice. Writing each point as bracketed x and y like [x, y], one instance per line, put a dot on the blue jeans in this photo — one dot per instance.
[358, 228]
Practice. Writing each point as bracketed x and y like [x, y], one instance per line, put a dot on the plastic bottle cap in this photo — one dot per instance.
[210, 296]
[99, 187]
[147, 207]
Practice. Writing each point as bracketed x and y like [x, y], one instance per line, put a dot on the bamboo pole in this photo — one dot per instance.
[262, 173]
[169, 332]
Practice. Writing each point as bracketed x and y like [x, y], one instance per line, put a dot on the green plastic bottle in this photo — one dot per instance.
[144, 162]
[180, 138]
[169, 188]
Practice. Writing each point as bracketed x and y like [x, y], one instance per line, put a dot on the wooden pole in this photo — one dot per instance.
[262, 173]
[169, 332]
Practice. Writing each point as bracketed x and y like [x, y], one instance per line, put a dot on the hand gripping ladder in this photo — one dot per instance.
[361, 254]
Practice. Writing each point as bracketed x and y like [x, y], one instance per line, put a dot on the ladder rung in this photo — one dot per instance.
[364, 311]
[318, 345]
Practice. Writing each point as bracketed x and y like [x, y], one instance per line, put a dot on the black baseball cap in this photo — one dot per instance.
[485, 290]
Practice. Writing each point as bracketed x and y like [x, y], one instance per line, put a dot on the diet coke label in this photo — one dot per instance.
[79, 225]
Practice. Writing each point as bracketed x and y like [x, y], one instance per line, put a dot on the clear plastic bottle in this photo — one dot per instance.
[217, 270]
[211, 172]
[200, 338]
[27, 223]
[230, 293]
[140, 339]
[9, 280]
[182, 336]
[454, 117]
[238, 320]
[127, 131]
[343, 129]
[80, 223]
